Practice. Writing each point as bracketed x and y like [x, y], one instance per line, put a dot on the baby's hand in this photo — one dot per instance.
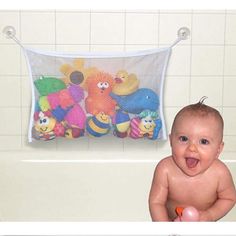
[187, 214]
[177, 219]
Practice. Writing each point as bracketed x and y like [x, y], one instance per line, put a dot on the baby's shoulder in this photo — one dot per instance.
[220, 168]
[165, 164]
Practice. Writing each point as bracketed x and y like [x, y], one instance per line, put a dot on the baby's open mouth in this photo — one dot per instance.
[191, 162]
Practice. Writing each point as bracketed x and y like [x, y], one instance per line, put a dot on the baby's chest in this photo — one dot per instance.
[193, 192]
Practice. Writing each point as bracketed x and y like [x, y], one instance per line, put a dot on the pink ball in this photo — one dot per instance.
[190, 214]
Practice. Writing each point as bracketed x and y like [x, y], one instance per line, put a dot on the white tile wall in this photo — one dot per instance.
[203, 65]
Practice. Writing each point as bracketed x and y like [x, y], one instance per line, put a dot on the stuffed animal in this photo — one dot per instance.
[125, 83]
[145, 125]
[99, 100]
[98, 125]
[76, 117]
[77, 73]
[44, 127]
[138, 101]
[46, 85]
[121, 123]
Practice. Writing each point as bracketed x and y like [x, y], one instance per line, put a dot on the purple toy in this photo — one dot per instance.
[76, 117]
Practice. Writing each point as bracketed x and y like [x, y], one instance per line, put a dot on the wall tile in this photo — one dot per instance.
[10, 60]
[26, 93]
[229, 98]
[106, 48]
[105, 144]
[10, 121]
[137, 31]
[230, 60]
[107, 28]
[140, 145]
[10, 95]
[67, 48]
[201, 86]
[10, 143]
[38, 27]
[176, 92]
[179, 64]
[229, 115]
[230, 144]
[76, 32]
[207, 60]
[208, 28]
[230, 30]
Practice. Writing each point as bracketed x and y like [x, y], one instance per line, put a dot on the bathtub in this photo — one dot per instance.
[53, 188]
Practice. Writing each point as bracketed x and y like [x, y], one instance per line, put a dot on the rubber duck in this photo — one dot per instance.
[125, 83]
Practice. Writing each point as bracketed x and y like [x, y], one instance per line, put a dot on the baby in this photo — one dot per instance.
[193, 175]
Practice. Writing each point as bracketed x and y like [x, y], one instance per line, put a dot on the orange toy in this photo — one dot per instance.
[99, 87]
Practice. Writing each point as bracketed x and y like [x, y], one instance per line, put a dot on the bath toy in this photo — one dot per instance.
[46, 85]
[76, 92]
[77, 73]
[74, 132]
[144, 125]
[189, 213]
[66, 97]
[135, 103]
[59, 113]
[134, 128]
[98, 99]
[43, 103]
[76, 117]
[98, 125]
[45, 126]
[157, 128]
[121, 123]
[53, 100]
[125, 83]
[59, 130]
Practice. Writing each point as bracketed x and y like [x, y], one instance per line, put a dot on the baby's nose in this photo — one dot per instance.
[192, 147]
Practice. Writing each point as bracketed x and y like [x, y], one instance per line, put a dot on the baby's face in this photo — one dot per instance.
[196, 142]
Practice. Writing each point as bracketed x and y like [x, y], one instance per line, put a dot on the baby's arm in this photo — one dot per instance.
[158, 194]
[226, 197]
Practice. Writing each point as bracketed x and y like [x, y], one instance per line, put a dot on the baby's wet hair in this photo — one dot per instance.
[200, 109]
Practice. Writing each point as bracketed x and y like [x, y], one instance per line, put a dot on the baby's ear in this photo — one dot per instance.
[220, 148]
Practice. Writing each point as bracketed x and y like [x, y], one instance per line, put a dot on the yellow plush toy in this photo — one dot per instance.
[125, 83]
[77, 73]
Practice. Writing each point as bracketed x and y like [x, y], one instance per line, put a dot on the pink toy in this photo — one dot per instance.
[134, 128]
[65, 99]
[76, 117]
[187, 214]
[59, 130]
[53, 100]
[99, 100]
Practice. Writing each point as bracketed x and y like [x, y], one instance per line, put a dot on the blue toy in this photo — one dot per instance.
[135, 103]
[59, 113]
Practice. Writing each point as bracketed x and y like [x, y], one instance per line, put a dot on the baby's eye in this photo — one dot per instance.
[204, 141]
[183, 139]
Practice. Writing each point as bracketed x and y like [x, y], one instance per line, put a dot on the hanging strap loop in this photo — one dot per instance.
[10, 33]
[183, 34]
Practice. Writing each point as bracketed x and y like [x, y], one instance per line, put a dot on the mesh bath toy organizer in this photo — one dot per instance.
[97, 94]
